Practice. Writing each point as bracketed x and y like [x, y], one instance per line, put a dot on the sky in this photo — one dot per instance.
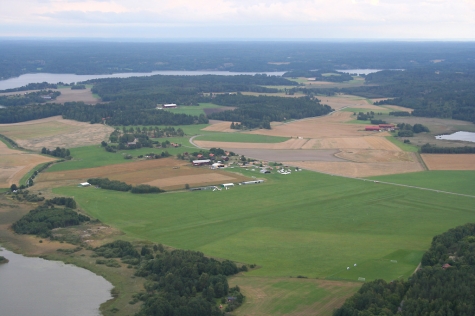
[239, 19]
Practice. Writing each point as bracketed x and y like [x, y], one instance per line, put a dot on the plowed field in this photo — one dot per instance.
[449, 162]
[167, 174]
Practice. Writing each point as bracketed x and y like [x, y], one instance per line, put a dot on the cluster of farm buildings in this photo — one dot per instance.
[381, 127]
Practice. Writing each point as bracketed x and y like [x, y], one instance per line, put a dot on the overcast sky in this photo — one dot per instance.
[239, 19]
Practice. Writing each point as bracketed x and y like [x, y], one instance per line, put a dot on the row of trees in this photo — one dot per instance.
[433, 149]
[105, 183]
[58, 152]
[443, 286]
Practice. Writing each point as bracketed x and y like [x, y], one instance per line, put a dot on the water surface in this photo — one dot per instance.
[465, 136]
[23, 80]
[34, 286]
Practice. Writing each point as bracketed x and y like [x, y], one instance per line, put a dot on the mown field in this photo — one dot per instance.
[240, 138]
[304, 224]
[451, 181]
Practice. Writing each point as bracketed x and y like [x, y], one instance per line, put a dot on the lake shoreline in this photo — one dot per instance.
[124, 284]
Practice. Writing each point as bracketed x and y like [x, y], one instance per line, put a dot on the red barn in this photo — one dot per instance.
[372, 128]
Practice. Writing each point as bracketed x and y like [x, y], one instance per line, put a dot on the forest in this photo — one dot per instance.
[444, 285]
[41, 220]
[105, 57]
[443, 92]
[28, 98]
[258, 112]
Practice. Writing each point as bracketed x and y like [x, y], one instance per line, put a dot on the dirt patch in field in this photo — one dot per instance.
[363, 155]
[293, 143]
[167, 173]
[220, 126]
[366, 142]
[14, 164]
[449, 162]
[55, 132]
[355, 169]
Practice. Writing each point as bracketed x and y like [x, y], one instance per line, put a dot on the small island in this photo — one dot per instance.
[3, 260]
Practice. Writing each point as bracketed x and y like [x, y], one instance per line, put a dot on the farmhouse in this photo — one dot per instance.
[202, 162]
[387, 127]
[372, 128]
[169, 106]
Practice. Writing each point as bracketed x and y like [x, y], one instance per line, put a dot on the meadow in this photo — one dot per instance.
[195, 110]
[461, 181]
[306, 223]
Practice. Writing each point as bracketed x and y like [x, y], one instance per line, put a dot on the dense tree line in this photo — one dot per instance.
[433, 149]
[79, 57]
[29, 98]
[66, 201]
[29, 112]
[78, 87]
[145, 188]
[41, 220]
[105, 183]
[444, 285]
[258, 112]
[58, 152]
[445, 93]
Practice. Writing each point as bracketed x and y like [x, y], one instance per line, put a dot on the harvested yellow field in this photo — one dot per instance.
[55, 132]
[220, 127]
[366, 142]
[449, 161]
[340, 101]
[293, 143]
[357, 170]
[376, 156]
[14, 164]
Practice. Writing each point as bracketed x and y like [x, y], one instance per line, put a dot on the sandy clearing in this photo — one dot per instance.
[355, 169]
[293, 143]
[14, 164]
[449, 161]
[220, 127]
[55, 132]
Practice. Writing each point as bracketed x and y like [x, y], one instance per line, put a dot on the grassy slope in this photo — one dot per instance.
[451, 181]
[303, 224]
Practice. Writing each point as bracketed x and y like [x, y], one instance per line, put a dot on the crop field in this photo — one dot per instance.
[166, 173]
[285, 296]
[55, 132]
[14, 164]
[450, 181]
[365, 142]
[449, 162]
[96, 156]
[304, 223]
[294, 143]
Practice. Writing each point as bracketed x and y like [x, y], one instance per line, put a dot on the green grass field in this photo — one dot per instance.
[402, 145]
[306, 223]
[451, 181]
[194, 110]
[240, 137]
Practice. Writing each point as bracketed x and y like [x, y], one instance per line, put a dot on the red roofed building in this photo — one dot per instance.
[372, 128]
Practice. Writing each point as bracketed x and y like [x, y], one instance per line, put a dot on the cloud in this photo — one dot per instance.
[374, 17]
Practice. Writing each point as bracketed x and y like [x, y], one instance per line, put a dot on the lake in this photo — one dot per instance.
[465, 136]
[34, 286]
[23, 80]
